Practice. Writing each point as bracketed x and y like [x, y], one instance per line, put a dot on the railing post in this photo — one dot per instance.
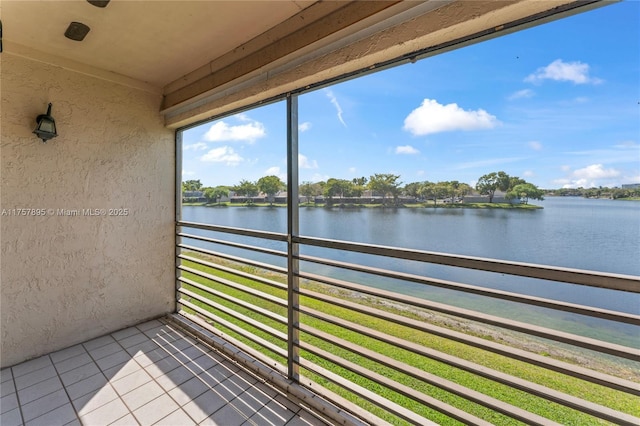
[293, 225]
[178, 213]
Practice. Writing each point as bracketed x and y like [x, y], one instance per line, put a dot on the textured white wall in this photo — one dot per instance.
[66, 279]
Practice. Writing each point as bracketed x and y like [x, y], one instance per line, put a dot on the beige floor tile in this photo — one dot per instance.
[35, 377]
[204, 405]
[105, 414]
[95, 399]
[142, 395]
[155, 410]
[60, 416]
[39, 390]
[131, 382]
[178, 417]
[11, 418]
[44, 405]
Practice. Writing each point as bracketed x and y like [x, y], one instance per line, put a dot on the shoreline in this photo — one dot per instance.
[351, 206]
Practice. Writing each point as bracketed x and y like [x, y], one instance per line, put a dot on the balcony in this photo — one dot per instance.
[153, 373]
[390, 353]
[133, 316]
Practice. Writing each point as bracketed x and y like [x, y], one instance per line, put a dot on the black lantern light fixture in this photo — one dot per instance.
[46, 128]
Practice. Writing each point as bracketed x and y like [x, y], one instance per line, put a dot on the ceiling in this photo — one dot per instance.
[209, 56]
[152, 41]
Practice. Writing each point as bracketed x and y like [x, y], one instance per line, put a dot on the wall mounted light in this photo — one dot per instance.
[46, 128]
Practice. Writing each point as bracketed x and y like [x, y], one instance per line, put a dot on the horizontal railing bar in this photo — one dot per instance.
[350, 407]
[381, 401]
[242, 260]
[242, 347]
[231, 284]
[431, 379]
[276, 236]
[547, 333]
[483, 291]
[264, 312]
[235, 245]
[245, 319]
[407, 391]
[241, 331]
[479, 370]
[233, 271]
[610, 281]
[497, 348]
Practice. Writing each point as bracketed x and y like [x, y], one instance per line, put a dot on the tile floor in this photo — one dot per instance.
[151, 374]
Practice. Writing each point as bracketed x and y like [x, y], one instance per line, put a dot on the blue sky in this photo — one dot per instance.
[557, 105]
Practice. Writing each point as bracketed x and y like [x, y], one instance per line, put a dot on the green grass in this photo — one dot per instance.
[591, 392]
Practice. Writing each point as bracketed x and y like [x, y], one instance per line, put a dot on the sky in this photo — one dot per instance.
[557, 105]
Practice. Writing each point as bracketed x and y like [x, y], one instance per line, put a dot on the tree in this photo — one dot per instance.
[308, 190]
[246, 189]
[455, 189]
[427, 191]
[270, 185]
[524, 192]
[489, 183]
[337, 187]
[191, 185]
[513, 181]
[214, 194]
[413, 189]
[361, 181]
[385, 184]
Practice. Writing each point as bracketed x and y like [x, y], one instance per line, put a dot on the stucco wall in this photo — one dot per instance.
[66, 279]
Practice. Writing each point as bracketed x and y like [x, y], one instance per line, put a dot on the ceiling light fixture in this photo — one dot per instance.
[77, 31]
[99, 3]
[46, 128]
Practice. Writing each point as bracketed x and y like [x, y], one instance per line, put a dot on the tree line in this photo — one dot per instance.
[600, 192]
[385, 185]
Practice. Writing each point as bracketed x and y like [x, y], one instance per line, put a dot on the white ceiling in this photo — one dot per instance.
[151, 41]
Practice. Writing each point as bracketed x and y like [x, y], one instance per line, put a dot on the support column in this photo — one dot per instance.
[293, 225]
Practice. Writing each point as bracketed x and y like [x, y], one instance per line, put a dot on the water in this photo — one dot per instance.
[600, 235]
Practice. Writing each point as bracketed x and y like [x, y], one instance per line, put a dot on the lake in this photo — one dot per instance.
[600, 235]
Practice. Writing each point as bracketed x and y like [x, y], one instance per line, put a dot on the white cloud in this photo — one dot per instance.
[195, 146]
[528, 173]
[558, 70]
[595, 171]
[188, 173]
[249, 132]
[535, 145]
[565, 168]
[303, 127]
[352, 170]
[589, 177]
[521, 94]
[489, 162]
[335, 103]
[275, 170]
[626, 145]
[224, 154]
[432, 117]
[305, 163]
[406, 149]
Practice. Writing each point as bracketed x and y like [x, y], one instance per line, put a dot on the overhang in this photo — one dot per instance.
[208, 57]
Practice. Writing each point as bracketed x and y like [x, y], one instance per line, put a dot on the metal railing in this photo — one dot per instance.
[372, 335]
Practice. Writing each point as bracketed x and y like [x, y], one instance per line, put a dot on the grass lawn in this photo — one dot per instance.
[591, 392]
